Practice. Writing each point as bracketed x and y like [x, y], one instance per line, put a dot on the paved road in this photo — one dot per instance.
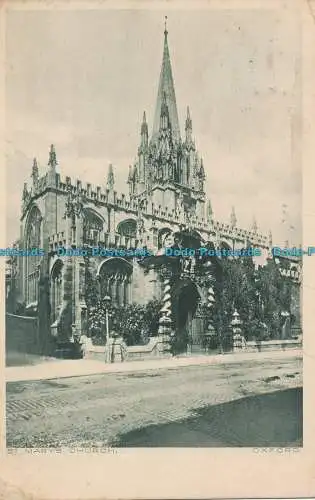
[101, 410]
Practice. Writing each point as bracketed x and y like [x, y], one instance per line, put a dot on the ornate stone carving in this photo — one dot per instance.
[74, 204]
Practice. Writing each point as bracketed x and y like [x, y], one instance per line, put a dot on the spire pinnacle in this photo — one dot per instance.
[144, 127]
[25, 191]
[209, 210]
[130, 174]
[35, 171]
[201, 173]
[188, 125]
[52, 162]
[233, 219]
[254, 225]
[35, 166]
[110, 177]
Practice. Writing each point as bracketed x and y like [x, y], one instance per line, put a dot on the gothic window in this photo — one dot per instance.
[127, 231]
[56, 290]
[92, 227]
[115, 279]
[32, 241]
[128, 228]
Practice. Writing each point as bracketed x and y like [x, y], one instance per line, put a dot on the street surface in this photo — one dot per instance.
[250, 403]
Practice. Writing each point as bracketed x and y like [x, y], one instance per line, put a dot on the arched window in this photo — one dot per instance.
[128, 230]
[32, 241]
[115, 277]
[92, 227]
[56, 289]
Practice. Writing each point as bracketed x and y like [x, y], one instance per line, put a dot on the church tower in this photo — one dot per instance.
[168, 168]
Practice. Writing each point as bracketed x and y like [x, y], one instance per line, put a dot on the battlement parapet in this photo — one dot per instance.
[237, 233]
[98, 194]
[57, 238]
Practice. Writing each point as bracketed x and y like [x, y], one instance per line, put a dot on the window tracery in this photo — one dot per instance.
[115, 280]
[92, 227]
[32, 241]
[56, 290]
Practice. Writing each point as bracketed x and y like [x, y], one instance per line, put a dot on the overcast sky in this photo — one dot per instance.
[82, 79]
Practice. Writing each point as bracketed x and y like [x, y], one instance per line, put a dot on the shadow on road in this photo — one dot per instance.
[269, 420]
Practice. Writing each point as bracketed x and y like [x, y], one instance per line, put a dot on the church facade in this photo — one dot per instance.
[166, 199]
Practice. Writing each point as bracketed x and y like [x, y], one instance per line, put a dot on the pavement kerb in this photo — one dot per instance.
[80, 368]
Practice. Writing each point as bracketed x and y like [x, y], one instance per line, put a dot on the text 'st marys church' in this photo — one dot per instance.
[166, 195]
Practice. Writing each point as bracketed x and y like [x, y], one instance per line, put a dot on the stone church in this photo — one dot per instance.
[166, 198]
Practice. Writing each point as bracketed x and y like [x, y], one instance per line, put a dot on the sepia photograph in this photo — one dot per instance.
[153, 228]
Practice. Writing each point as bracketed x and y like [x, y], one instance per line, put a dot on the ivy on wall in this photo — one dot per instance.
[260, 296]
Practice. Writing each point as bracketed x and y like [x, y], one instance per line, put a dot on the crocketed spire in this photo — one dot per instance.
[166, 92]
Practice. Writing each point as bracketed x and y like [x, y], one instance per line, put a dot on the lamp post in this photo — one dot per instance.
[107, 301]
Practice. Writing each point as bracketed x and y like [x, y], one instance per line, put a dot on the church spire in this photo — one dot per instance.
[166, 86]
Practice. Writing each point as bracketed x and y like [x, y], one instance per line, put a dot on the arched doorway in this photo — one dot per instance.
[185, 301]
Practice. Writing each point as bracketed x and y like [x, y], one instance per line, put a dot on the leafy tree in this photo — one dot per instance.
[259, 296]
[135, 322]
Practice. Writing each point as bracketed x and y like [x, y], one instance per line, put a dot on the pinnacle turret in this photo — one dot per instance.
[25, 191]
[188, 126]
[233, 219]
[144, 130]
[130, 176]
[52, 162]
[110, 177]
[209, 211]
[35, 172]
[201, 173]
[254, 226]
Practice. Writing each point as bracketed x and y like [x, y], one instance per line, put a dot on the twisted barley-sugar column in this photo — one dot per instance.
[211, 301]
[165, 319]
